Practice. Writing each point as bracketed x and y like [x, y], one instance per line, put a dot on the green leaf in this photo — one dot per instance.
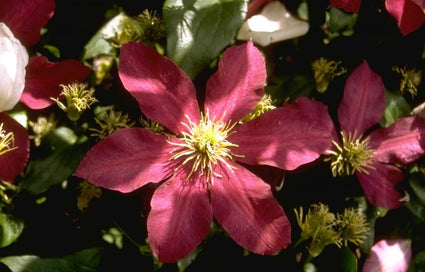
[198, 30]
[396, 108]
[10, 229]
[83, 261]
[64, 151]
[349, 260]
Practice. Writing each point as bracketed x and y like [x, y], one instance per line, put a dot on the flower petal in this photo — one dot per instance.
[363, 103]
[44, 78]
[126, 160]
[13, 162]
[285, 138]
[26, 18]
[389, 255]
[409, 15]
[380, 185]
[237, 86]
[346, 5]
[180, 217]
[403, 142]
[164, 92]
[244, 205]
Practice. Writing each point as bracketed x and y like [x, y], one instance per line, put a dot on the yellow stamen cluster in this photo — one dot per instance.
[88, 191]
[6, 141]
[410, 79]
[78, 98]
[153, 126]
[354, 155]
[322, 227]
[324, 71]
[265, 104]
[204, 145]
[109, 122]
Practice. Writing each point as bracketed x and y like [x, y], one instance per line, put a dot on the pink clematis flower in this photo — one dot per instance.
[198, 161]
[389, 256]
[371, 157]
[409, 14]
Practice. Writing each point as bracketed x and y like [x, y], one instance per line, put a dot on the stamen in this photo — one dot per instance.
[6, 141]
[354, 155]
[204, 145]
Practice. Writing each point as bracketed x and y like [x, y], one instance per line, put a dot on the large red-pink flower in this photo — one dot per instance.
[373, 156]
[409, 14]
[198, 162]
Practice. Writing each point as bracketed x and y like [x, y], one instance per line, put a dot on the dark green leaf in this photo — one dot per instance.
[349, 260]
[396, 108]
[198, 30]
[84, 261]
[10, 229]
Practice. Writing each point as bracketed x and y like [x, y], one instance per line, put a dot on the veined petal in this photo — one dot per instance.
[363, 103]
[346, 5]
[12, 163]
[409, 14]
[43, 80]
[244, 205]
[126, 160]
[403, 142]
[380, 185]
[285, 138]
[26, 18]
[164, 92]
[237, 86]
[180, 217]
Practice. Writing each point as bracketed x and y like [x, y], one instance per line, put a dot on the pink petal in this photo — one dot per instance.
[244, 205]
[403, 142]
[284, 138]
[410, 15]
[26, 18]
[389, 256]
[180, 217]
[12, 163]
[346, 5]
[126, 160]
[380, 185]
[43, 80]
[164, 92]
[237, 86]
[363, 103]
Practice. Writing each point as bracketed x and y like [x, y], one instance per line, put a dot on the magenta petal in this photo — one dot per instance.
[346, 5]
[237, 86]
[244, 205]
[284, 138]
[126, 160]
[180, 218]
[363, 103]
[43, 80]
[403, 142]
[12, 163]
[410, 15]
[164, 92]
[389, 255]
[26, 18]
[380, 185]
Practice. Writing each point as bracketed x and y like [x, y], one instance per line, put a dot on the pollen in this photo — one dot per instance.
[204, 145]
[6, 141]
[353, 155]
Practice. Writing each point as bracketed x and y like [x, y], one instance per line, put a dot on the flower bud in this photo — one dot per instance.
[13, 59]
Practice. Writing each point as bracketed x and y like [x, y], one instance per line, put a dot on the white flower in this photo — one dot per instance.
[273, 24]
[13, 59]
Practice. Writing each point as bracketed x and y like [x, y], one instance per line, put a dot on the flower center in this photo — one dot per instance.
[204, 145]
[354, 155]
[6, 141]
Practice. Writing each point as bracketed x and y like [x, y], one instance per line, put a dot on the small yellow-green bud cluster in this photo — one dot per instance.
[78, 98]
[265, 104]
[110, 121]
[321, 227]
[88, 191]
[410, 79]
[42, 127]
[324, 71]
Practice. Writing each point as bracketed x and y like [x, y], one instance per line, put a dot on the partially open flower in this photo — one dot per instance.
[13, 59]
